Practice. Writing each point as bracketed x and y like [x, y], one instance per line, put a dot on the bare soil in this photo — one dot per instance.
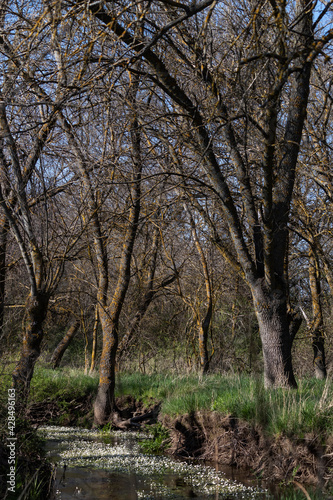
[226, 440]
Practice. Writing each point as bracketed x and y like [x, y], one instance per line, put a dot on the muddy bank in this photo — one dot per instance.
[210, 436]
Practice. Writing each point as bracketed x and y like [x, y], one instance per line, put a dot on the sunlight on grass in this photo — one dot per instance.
[309, 409]
[62, 383]
[306, 410]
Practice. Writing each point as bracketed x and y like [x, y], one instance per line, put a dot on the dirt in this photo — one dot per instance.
[74, 412]
[226, 440]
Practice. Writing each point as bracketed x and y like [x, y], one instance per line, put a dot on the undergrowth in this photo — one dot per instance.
[297, 491]
[66, 383]
[159, 440]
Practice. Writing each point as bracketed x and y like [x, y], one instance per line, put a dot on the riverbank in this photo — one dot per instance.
[233, 442]
[277, 435]
[128, 471]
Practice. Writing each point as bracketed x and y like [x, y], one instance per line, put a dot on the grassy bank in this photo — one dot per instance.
[309, 409]
[288, 419]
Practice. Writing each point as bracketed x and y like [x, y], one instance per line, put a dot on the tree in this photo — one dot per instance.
[203, 320]
[29, 179]
[311, 220]
[63, 344]
[242, 96]
[149, 285]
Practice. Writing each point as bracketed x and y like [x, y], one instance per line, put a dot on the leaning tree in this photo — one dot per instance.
[238, 77]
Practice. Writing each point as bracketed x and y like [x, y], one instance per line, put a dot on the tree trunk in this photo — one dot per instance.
[281, 139]
[319, 359]
[203, 348]
[62, 346]
[105, 405]
[94, 345]
[203, 326]
[317, 327]
[35, 313]
[277, 332]
[148, 296]
[109, 316]
[142, 309]
[3, 249]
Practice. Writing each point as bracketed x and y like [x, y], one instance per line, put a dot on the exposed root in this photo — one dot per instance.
[137, 414]
[227, 440]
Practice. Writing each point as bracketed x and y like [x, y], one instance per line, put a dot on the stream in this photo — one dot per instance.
[96, 466]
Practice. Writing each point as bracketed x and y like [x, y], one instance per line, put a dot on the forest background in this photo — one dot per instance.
[166, 187]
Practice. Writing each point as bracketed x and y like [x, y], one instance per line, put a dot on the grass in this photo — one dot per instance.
[309, 409]
[295, 413]
[66, 383]
[158, 442]
[294, 492]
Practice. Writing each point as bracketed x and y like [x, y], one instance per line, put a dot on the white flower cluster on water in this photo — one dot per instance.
[80, 447]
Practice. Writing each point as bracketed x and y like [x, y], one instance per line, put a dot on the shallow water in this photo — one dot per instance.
[92, 469]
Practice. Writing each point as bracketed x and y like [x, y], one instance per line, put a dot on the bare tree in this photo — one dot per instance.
[28, 108]
[243, 99]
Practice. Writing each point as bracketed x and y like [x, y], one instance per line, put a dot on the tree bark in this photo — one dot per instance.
[317, 327]
[105, 405]
[63, 345]
[142, 309]
[4, 227]
[204, 325]
[277, 332]
[203, 349]
[35, 313]
[94, 345]
[281, 142]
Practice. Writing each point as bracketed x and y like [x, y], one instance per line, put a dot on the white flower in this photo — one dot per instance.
[82, 447]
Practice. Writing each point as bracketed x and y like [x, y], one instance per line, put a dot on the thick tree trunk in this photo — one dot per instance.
[62, 346]
[277, 332]
[35, 313]
[105, 405]
[281, 142]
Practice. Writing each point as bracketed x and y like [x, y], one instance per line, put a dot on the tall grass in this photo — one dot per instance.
[292, 412]
[61, 384]
[309, 409]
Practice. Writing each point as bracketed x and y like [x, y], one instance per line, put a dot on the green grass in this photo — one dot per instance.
[293, 492]
[159, 440]
[309, 409]
[65, 383]
[295, 413]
